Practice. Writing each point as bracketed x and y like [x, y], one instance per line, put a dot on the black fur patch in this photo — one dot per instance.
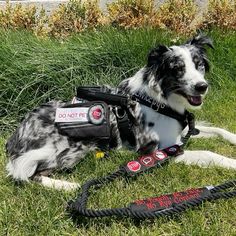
[151, 124]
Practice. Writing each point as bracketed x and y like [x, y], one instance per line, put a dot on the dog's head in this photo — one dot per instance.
[178, 72]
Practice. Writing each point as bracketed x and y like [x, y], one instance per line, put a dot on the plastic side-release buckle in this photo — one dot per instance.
[168, 201]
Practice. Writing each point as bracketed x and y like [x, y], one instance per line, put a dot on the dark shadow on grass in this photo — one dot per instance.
[101, 223]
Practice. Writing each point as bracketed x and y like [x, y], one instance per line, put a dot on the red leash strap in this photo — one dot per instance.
[169, 201]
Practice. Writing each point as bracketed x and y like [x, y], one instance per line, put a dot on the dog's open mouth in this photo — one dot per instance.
[194, 100]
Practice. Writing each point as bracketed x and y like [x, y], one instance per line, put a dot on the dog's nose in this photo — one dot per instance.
[201, 87]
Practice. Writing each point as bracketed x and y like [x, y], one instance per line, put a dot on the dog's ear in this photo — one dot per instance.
[155, 55]
[201, 41]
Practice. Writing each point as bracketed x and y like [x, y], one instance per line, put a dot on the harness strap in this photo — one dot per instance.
[124, 126]
[161, 108]
[100, 93]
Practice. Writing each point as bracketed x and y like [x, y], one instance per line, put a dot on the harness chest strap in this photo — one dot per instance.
[161, 108]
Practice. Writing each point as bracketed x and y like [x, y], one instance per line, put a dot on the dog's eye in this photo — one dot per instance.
[179, 68]
[201, 66]
[176, 66]
[198, 63]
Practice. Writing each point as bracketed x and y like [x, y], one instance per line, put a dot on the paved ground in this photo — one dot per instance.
[49, 5]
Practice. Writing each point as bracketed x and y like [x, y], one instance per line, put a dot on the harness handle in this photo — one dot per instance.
[100, 93]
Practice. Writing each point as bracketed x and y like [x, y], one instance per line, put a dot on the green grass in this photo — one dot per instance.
[33, 71]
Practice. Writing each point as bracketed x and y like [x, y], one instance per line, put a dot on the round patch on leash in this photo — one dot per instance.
[160, 155]
[96, 114]
[147, 160]
[134, 166]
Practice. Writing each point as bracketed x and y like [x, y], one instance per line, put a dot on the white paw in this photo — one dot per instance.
[59, 184]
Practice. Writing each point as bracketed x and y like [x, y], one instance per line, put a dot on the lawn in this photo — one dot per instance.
[35, 70]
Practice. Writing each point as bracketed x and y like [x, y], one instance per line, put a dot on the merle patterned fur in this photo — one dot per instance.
[173, 76]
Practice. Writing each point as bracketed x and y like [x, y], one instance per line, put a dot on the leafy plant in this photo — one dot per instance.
[18, 17]
[181, 16]
[74, 17]
[131, 13]
[176, 15]
[221, 13]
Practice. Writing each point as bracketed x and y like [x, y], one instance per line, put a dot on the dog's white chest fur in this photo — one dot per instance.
[167, 129]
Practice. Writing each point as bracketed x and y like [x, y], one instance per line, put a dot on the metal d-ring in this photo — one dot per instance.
[117, 113]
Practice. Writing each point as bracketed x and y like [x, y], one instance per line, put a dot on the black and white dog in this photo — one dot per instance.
[173, 76]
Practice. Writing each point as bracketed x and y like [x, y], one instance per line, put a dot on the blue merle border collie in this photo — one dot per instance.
[173, 76]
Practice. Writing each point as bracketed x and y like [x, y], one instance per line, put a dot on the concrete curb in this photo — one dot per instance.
[50, 5]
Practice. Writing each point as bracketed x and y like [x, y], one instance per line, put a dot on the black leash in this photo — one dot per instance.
[165, 205]
[79, 206]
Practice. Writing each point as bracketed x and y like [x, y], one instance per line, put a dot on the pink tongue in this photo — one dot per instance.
[196, 99]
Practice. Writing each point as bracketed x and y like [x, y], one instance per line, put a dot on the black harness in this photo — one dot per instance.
[96, 93]
[165, 205]
[124, 118]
